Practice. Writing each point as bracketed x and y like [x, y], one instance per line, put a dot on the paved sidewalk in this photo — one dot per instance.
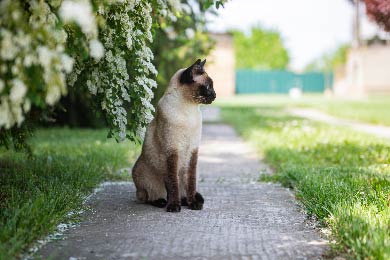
[313, 114]
[210, 114]
[241, 219]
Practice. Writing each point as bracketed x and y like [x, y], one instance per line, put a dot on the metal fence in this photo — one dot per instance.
[273, 81]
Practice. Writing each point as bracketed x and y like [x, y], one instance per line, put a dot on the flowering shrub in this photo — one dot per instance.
[33, 61]
[48, 45]
[379, 11]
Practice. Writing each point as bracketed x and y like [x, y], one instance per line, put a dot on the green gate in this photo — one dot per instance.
[274, 81]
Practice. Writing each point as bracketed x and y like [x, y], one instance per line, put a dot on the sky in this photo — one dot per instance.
[309, 28]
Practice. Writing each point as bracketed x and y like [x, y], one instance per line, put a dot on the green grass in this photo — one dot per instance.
[36, 194]
[341, 176]
[374, 110]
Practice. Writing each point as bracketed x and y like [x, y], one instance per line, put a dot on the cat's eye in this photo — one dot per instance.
[199, 70]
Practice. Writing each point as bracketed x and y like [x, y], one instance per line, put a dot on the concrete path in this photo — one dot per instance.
[313, 114]
[241, 219]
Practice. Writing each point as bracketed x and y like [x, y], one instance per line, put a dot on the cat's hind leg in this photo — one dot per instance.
[150, 186]
[159, 203]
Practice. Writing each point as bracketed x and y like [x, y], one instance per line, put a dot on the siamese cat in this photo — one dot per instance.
[165, 172]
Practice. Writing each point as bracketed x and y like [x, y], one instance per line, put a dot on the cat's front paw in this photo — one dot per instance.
[173, 207]
[199, 198]
[195, 205]
[198, 202]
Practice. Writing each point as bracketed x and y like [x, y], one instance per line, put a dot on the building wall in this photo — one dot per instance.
[221, 65]
[367, 72]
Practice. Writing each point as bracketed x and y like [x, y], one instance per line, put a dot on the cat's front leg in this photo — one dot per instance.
[194, 199]
[172, 183]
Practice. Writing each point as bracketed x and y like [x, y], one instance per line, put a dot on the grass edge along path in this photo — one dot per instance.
[342, 177]
[371, 110]
[37, 194]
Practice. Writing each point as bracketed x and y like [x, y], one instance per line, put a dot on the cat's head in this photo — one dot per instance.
[196, 84]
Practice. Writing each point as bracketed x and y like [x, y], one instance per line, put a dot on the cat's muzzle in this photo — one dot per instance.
[209, 98]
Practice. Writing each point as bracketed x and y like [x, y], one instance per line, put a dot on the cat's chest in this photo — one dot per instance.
[187, 134]
[182, 125]
[187, 142]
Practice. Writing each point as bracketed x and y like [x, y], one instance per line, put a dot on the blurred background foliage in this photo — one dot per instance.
[330, 61]
[260, 49]
[178, 45]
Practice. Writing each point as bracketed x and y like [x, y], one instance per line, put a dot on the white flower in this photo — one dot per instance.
[79, 12]
[67, 63]
[27, 105]
[53, 95]
[18, 91]
[190, 33]
[129, 41]
[8, 50]
[120, 119]
[175, 4]
[21, 39]
[29, 60]
[41, 14]
[60, 36]
[109, 56]
[72, 78]
[91, 87]
[122, 135]
[15, 69]
[17, 114]
[104, 105]
[186, 8]
[172, 17]
[170, 32]
[16, 14]
[45, 56]
[140, 132]
[96, 49]
[5, 114]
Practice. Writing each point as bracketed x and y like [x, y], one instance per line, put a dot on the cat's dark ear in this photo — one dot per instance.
[202, 63]
[197, 62]
[186, 76]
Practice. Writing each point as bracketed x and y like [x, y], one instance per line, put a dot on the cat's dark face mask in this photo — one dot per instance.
[199, 84]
